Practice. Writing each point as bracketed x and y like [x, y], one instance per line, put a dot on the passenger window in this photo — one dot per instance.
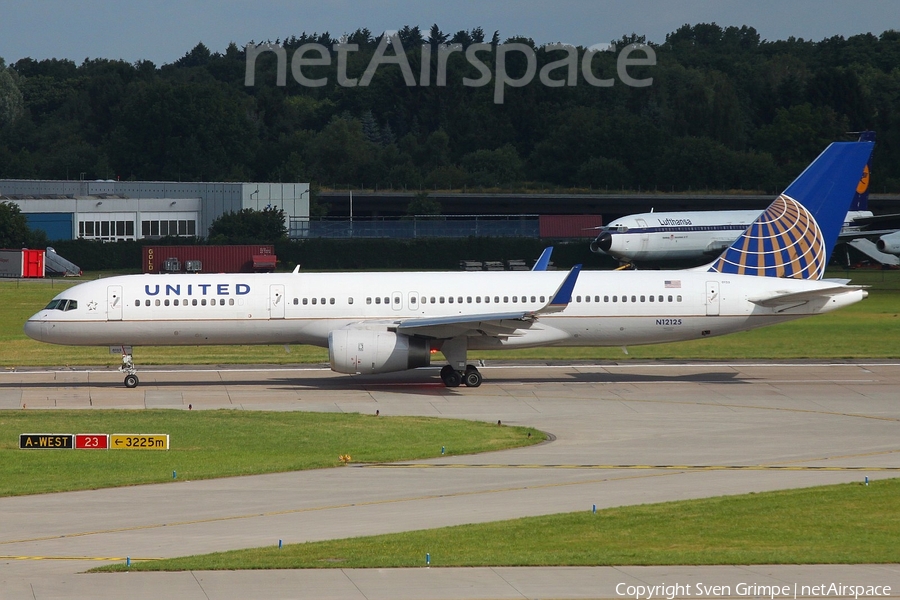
[606, 298]
[203, 302]
[349, 300]
[157, 302]
[221, 301]
[378, 300]
[396, 299]
[331, 301]
[314, 300]
[651, 298]
[459, 299]
[305, 301]
[660, 298]
[577, 298]
[679, 298]
[597, 299]
[642, 299]
[506, 298]
[296, 301]
[194, 302]
[542, 299]
[322, 300]
[231, 302]
[670, 298]
[477, 299]
[515, 298]
[634, 298]
[497, 299]
[533, 299]
[469, 299]
[146, 303]
[166, 302]
[450, 299]
[624, 299]
[615, 298]
[138, 303]
[432, 299]
[442, 299]
[368, 301]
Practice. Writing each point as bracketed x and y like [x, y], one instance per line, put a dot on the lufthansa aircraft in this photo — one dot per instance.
[702, 235]
[384, 322]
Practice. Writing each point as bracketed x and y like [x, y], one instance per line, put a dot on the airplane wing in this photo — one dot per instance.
[784, 300]
[489, 324]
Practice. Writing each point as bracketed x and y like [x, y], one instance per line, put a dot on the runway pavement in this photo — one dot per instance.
[624, 434]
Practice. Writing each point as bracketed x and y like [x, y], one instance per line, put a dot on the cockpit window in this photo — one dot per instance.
[62, 304]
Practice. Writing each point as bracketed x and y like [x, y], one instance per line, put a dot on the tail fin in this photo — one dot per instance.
[794, 237]
[861, 197]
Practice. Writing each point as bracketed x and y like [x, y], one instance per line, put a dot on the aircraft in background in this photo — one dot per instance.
[385, 322]
[702, 235]
[889, 244]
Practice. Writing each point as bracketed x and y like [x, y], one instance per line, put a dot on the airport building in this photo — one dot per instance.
[129, 210]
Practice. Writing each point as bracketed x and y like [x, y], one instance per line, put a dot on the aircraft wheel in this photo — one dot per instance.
[131, 381]
[446, 370]
[472, 378]
[452, 378]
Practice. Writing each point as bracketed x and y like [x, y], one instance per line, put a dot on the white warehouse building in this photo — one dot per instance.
[129, 210]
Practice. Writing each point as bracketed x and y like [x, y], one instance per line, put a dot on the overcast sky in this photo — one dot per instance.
[164, 30]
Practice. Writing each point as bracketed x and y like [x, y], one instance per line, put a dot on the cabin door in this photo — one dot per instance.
[712, 298]
[276, 301]
[114, 303]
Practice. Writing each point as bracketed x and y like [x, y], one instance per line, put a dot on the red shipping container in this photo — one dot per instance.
[21, 263]
[569, 226]
[204, 259]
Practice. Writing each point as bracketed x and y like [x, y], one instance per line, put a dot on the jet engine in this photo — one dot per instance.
[889, 244]
[365, 351]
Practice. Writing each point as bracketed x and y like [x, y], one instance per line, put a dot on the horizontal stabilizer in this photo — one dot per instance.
[789, 299]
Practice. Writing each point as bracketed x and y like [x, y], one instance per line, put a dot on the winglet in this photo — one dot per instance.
[544, 261]
[563, 295]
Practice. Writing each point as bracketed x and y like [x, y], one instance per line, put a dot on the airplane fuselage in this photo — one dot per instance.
[694, 235]
[607, 308]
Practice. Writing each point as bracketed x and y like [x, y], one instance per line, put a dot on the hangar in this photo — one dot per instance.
[130, 210]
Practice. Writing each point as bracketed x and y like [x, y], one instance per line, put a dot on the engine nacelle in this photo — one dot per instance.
[889, 244]
[363, 351]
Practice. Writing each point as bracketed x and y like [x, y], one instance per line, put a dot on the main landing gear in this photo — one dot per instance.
[131, 378]
[471, 377]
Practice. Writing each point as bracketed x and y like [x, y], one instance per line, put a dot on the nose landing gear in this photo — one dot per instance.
[131, 378]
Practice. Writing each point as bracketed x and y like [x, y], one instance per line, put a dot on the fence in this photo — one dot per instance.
[526, 226]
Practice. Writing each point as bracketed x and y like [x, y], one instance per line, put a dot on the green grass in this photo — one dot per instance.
[224, 443]
[868, 329]
[846, 524]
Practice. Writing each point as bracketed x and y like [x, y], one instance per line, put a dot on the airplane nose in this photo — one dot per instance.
[34, 330]
[603, 242]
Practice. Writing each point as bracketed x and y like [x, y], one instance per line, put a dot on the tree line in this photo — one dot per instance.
[726, 110]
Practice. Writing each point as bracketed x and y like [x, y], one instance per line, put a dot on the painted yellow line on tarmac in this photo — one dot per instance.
[617, 467]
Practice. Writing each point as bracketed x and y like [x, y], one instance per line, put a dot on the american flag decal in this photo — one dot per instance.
[673, 283]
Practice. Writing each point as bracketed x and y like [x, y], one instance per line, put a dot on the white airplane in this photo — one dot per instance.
[384, 322]
[702, 235]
